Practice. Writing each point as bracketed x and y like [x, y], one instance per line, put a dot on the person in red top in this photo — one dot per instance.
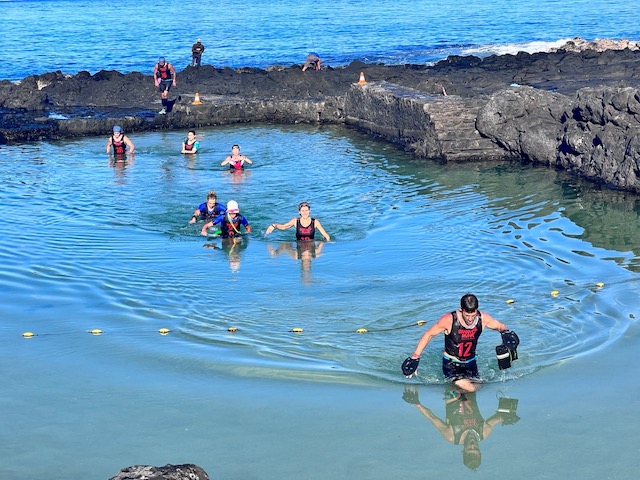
[235, 160]
[164, 76]
[305, 225]
[120, 143]
[461, 329]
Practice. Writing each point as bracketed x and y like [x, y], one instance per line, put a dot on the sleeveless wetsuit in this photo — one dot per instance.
[119, 148]
[306, 233]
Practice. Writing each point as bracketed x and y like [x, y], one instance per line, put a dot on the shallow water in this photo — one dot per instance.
[90, 243]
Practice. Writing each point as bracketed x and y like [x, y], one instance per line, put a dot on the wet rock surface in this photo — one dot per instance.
[168, 472]
[576, 108]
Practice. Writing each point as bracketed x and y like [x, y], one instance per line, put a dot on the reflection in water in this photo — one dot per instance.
[303, 251]
[232, 247]
[464, 424]
[120, 163]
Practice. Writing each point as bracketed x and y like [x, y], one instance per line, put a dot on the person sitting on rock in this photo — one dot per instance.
[235, 160]
[313, 60]
[120, 142]
[165, 77]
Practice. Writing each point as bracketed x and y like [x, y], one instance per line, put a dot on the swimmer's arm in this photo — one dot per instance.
[130, 144]
[492, 323]
[226, 161]
[206, 227]
[195, 216]
[442, 325]
[247, 160]
[173, 70]
[109, 142]
[281, 226]
[322, 230]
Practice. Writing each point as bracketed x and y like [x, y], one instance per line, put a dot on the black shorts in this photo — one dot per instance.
[165, 85]
[457, 371]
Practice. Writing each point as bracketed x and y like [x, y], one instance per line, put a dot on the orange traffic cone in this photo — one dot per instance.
[362, 81]
[197, 100]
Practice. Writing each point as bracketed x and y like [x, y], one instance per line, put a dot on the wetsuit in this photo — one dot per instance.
[237, 165]
[230, 227]
[305, 233]
[119, 148]
[165, 75]
[188, 147]
[207, 214]
[459, 360]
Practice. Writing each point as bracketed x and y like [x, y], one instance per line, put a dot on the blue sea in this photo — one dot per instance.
[282, 361]
[73, 35]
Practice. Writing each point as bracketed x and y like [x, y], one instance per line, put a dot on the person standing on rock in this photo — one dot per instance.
[235, 160]
[313, 60]
[119, 142]
[196, 53]
[165, 77]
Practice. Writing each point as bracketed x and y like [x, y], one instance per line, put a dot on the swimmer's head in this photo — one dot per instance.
[211, 194]
[469, 303]
[304, 204]
[161, 61]
[117, 129]
[232, 207]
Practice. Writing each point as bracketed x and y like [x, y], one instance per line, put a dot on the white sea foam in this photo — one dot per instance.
[514, 48]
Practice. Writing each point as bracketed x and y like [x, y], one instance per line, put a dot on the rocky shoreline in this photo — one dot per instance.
[577, 108]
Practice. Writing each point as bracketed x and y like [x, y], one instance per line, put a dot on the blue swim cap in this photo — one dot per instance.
[161, 60]
[117, 129]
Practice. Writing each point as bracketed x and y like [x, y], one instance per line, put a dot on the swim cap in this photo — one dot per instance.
[117, 129]
[232, 207]
[161, 60]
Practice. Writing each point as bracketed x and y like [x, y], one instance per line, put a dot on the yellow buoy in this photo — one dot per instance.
[421, 322]
[555, 293]
[599, 284]
[163, 331]
[361, 330]
[95, 331]
[296, 330]
[511, 300]
[28, 334]
[232, 329]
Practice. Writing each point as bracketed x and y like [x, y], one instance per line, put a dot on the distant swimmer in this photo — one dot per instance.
[120, 143]
[231, 222]
[305, 225]
[190, 144]
[164, 77]
[312, 61]
[235, 160]
[209, 209]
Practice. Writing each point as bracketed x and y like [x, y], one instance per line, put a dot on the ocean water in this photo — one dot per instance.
[72, 35]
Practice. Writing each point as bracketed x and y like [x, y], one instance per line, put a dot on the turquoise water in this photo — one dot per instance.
[88, 243]
[73, 35]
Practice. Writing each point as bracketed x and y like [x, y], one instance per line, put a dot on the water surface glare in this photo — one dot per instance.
[91, 243]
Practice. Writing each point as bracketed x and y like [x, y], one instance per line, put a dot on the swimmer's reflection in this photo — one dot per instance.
[120, 163]
[464, 424]
[232, 247]
[238, 176]
[304, 251]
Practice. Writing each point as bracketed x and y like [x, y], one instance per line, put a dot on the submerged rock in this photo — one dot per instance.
[168, 472]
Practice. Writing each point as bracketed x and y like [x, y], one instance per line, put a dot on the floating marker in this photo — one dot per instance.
[421, 322]
[555, 293]
[361, 330]
[232, 329]
[28, 334]
[95, 331]
[296, 330]
[511, 300]
[599, 284]
[163, 331]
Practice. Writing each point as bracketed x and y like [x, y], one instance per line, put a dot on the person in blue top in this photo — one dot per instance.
[231, 222]
[209, 209]
[190, 144]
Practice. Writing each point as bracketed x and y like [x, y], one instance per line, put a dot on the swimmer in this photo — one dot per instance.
[230, 222]
[190, 144]
[305, 225]
[164, 75]
[209, 209]
[235, 160]
[120, 142]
